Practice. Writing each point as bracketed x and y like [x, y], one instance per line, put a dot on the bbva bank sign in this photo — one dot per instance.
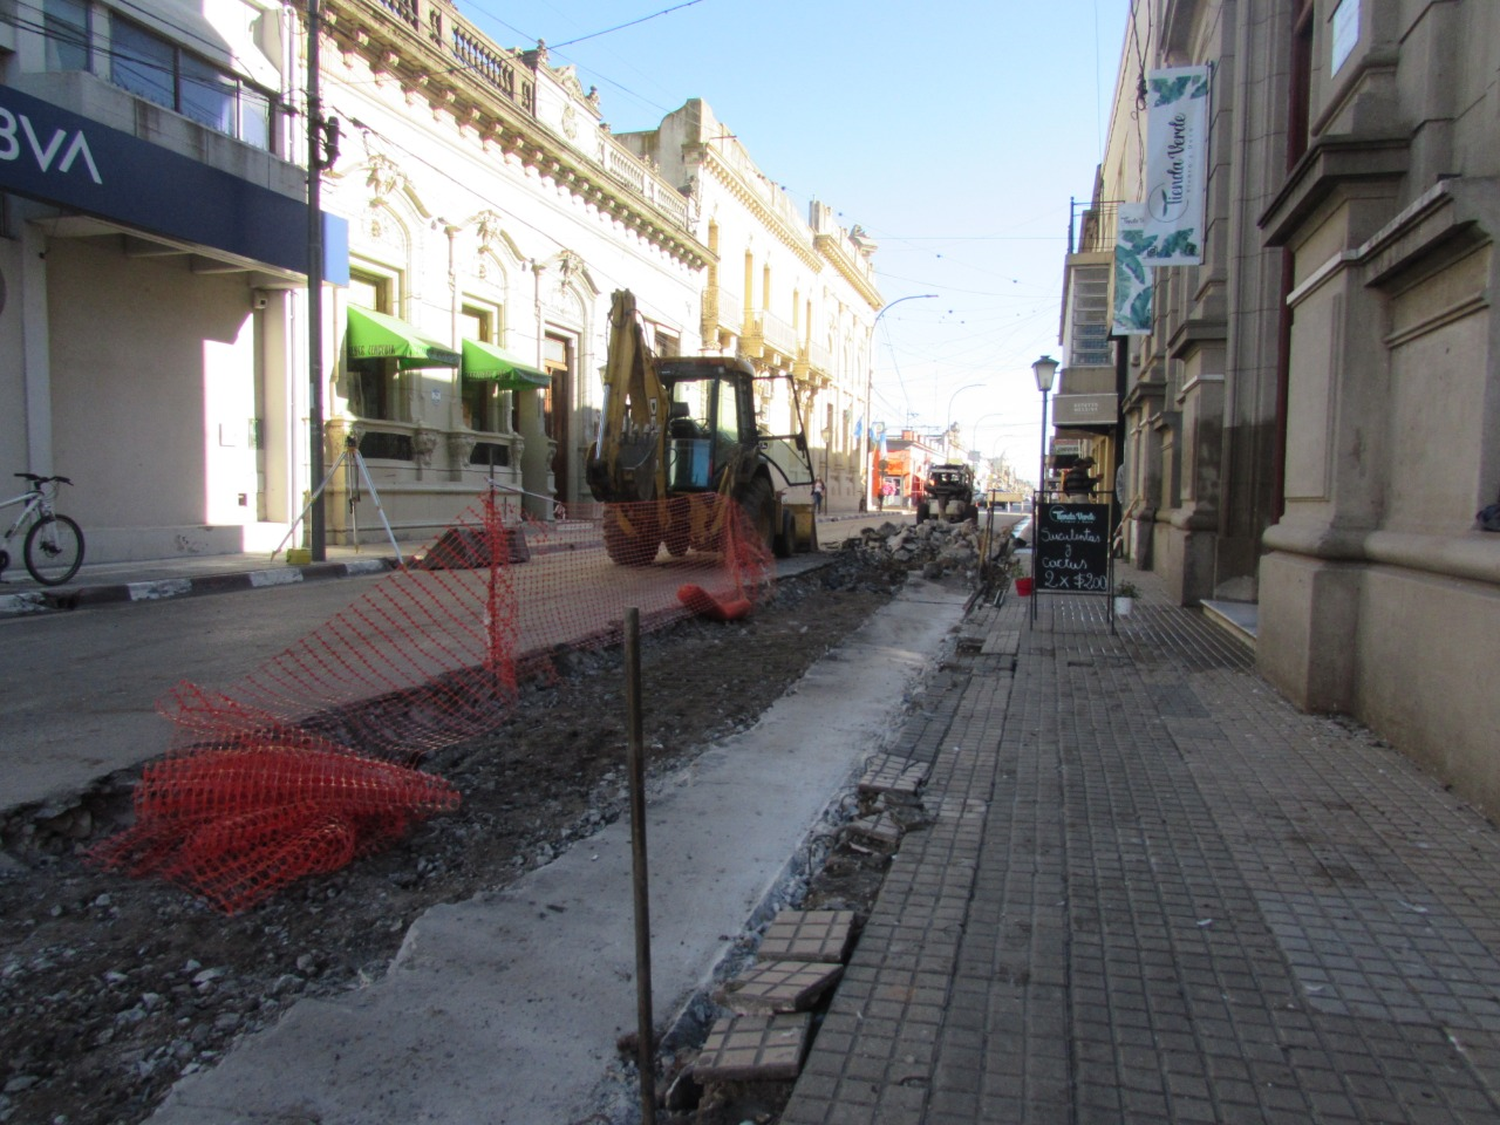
[17, 130]
[60, 158]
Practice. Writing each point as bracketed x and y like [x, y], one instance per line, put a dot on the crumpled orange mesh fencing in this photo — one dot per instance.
[312, 759]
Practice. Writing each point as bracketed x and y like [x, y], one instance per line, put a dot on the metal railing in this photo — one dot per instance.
[1091, 228]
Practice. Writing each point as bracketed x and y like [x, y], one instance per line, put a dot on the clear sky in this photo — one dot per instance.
[954, 132]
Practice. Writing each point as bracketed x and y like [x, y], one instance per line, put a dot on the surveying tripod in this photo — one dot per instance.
[355, 470]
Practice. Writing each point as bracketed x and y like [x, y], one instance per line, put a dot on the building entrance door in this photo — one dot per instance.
[557, 414]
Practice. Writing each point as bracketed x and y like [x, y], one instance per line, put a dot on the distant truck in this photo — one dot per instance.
[948, 495]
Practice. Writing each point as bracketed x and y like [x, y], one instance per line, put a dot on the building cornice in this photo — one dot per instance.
[714, 164]
[504, 120]
[831, 248]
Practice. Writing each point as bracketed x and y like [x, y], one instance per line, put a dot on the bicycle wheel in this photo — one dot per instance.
[53, 550]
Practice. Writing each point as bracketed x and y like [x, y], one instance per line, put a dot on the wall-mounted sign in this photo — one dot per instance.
[55, 156]
[1084, 410]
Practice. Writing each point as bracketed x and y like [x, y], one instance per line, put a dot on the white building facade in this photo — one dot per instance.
[792, 294]
[477, 215]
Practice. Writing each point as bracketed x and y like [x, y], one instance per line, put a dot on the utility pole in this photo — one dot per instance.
[315, 137]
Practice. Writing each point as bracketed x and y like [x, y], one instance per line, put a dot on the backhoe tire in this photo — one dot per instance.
[631, 540]
[786, 538]
[759, 504]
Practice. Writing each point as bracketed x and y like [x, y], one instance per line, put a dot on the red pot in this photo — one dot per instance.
[1023, 587]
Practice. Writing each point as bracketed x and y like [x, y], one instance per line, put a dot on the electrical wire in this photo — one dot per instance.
[632, 23]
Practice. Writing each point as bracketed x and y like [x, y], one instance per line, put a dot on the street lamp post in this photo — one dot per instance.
[864, 433]
[1045, 369]
[948, 430]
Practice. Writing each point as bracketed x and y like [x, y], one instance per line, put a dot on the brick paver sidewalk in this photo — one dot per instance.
[1152, 891]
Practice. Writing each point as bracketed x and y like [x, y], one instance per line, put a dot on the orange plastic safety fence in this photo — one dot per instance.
[309, 760]
[235, 823]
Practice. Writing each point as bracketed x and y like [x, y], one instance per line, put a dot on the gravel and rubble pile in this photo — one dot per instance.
[934, 548]
[111, 988]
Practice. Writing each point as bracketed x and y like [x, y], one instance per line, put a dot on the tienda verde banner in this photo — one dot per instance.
[1166, 227]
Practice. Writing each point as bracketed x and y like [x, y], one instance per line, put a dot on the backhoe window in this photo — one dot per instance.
[729, 415]
[696, 395]
[689, 438]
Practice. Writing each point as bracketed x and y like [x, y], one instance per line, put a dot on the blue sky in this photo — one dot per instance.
[954, 132]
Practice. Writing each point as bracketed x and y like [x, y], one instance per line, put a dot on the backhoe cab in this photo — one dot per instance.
[679, 431]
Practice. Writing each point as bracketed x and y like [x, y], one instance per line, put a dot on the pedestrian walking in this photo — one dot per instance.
[818, 489]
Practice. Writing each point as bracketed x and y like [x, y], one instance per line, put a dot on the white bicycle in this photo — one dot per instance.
[53, 547]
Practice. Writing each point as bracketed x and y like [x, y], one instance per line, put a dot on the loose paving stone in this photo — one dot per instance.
[890, 773]
[880, 832]
[754, 1048]
[778, 986]
[808, 935]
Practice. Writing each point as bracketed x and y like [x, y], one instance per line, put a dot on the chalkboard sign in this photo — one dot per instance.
[1071, 554]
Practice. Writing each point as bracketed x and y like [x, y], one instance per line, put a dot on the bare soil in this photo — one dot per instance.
[111, 988]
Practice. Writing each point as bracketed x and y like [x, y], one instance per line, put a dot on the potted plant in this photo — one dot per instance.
[1016, 572]
[1125, 595]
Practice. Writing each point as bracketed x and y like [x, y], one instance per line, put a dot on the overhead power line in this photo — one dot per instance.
[632, 23]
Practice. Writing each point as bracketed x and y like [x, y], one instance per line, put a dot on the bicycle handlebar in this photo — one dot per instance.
[39, 481]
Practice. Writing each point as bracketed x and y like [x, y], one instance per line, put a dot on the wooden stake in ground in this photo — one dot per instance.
[636, 768]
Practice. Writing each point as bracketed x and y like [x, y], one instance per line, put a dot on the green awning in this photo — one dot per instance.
[486, 361]
[374, 335]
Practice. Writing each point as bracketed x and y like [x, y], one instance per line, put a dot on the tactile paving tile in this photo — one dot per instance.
[778, 986]
[808, 935]
[750, 1048]
[892, 774]
[880, 832]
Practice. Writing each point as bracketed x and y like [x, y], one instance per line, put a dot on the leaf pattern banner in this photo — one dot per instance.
[1166, 228]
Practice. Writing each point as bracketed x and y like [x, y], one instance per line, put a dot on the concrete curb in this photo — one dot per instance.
[73, 597]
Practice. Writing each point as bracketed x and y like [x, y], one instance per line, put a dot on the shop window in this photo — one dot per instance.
[372, 389]
[66, 29]
[144, 64]
[207, 96]
[386, 447]
[374, 383]
[490, 454]
[157, 70]
[482, 400]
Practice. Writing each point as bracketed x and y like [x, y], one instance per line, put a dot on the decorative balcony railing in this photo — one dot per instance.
[513, 75]
[769, 332]
[630, 170]
[499, 68]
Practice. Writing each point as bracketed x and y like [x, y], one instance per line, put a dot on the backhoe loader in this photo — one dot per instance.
[679, 431]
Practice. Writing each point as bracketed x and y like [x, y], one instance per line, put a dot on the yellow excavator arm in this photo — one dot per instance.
[627, 464]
